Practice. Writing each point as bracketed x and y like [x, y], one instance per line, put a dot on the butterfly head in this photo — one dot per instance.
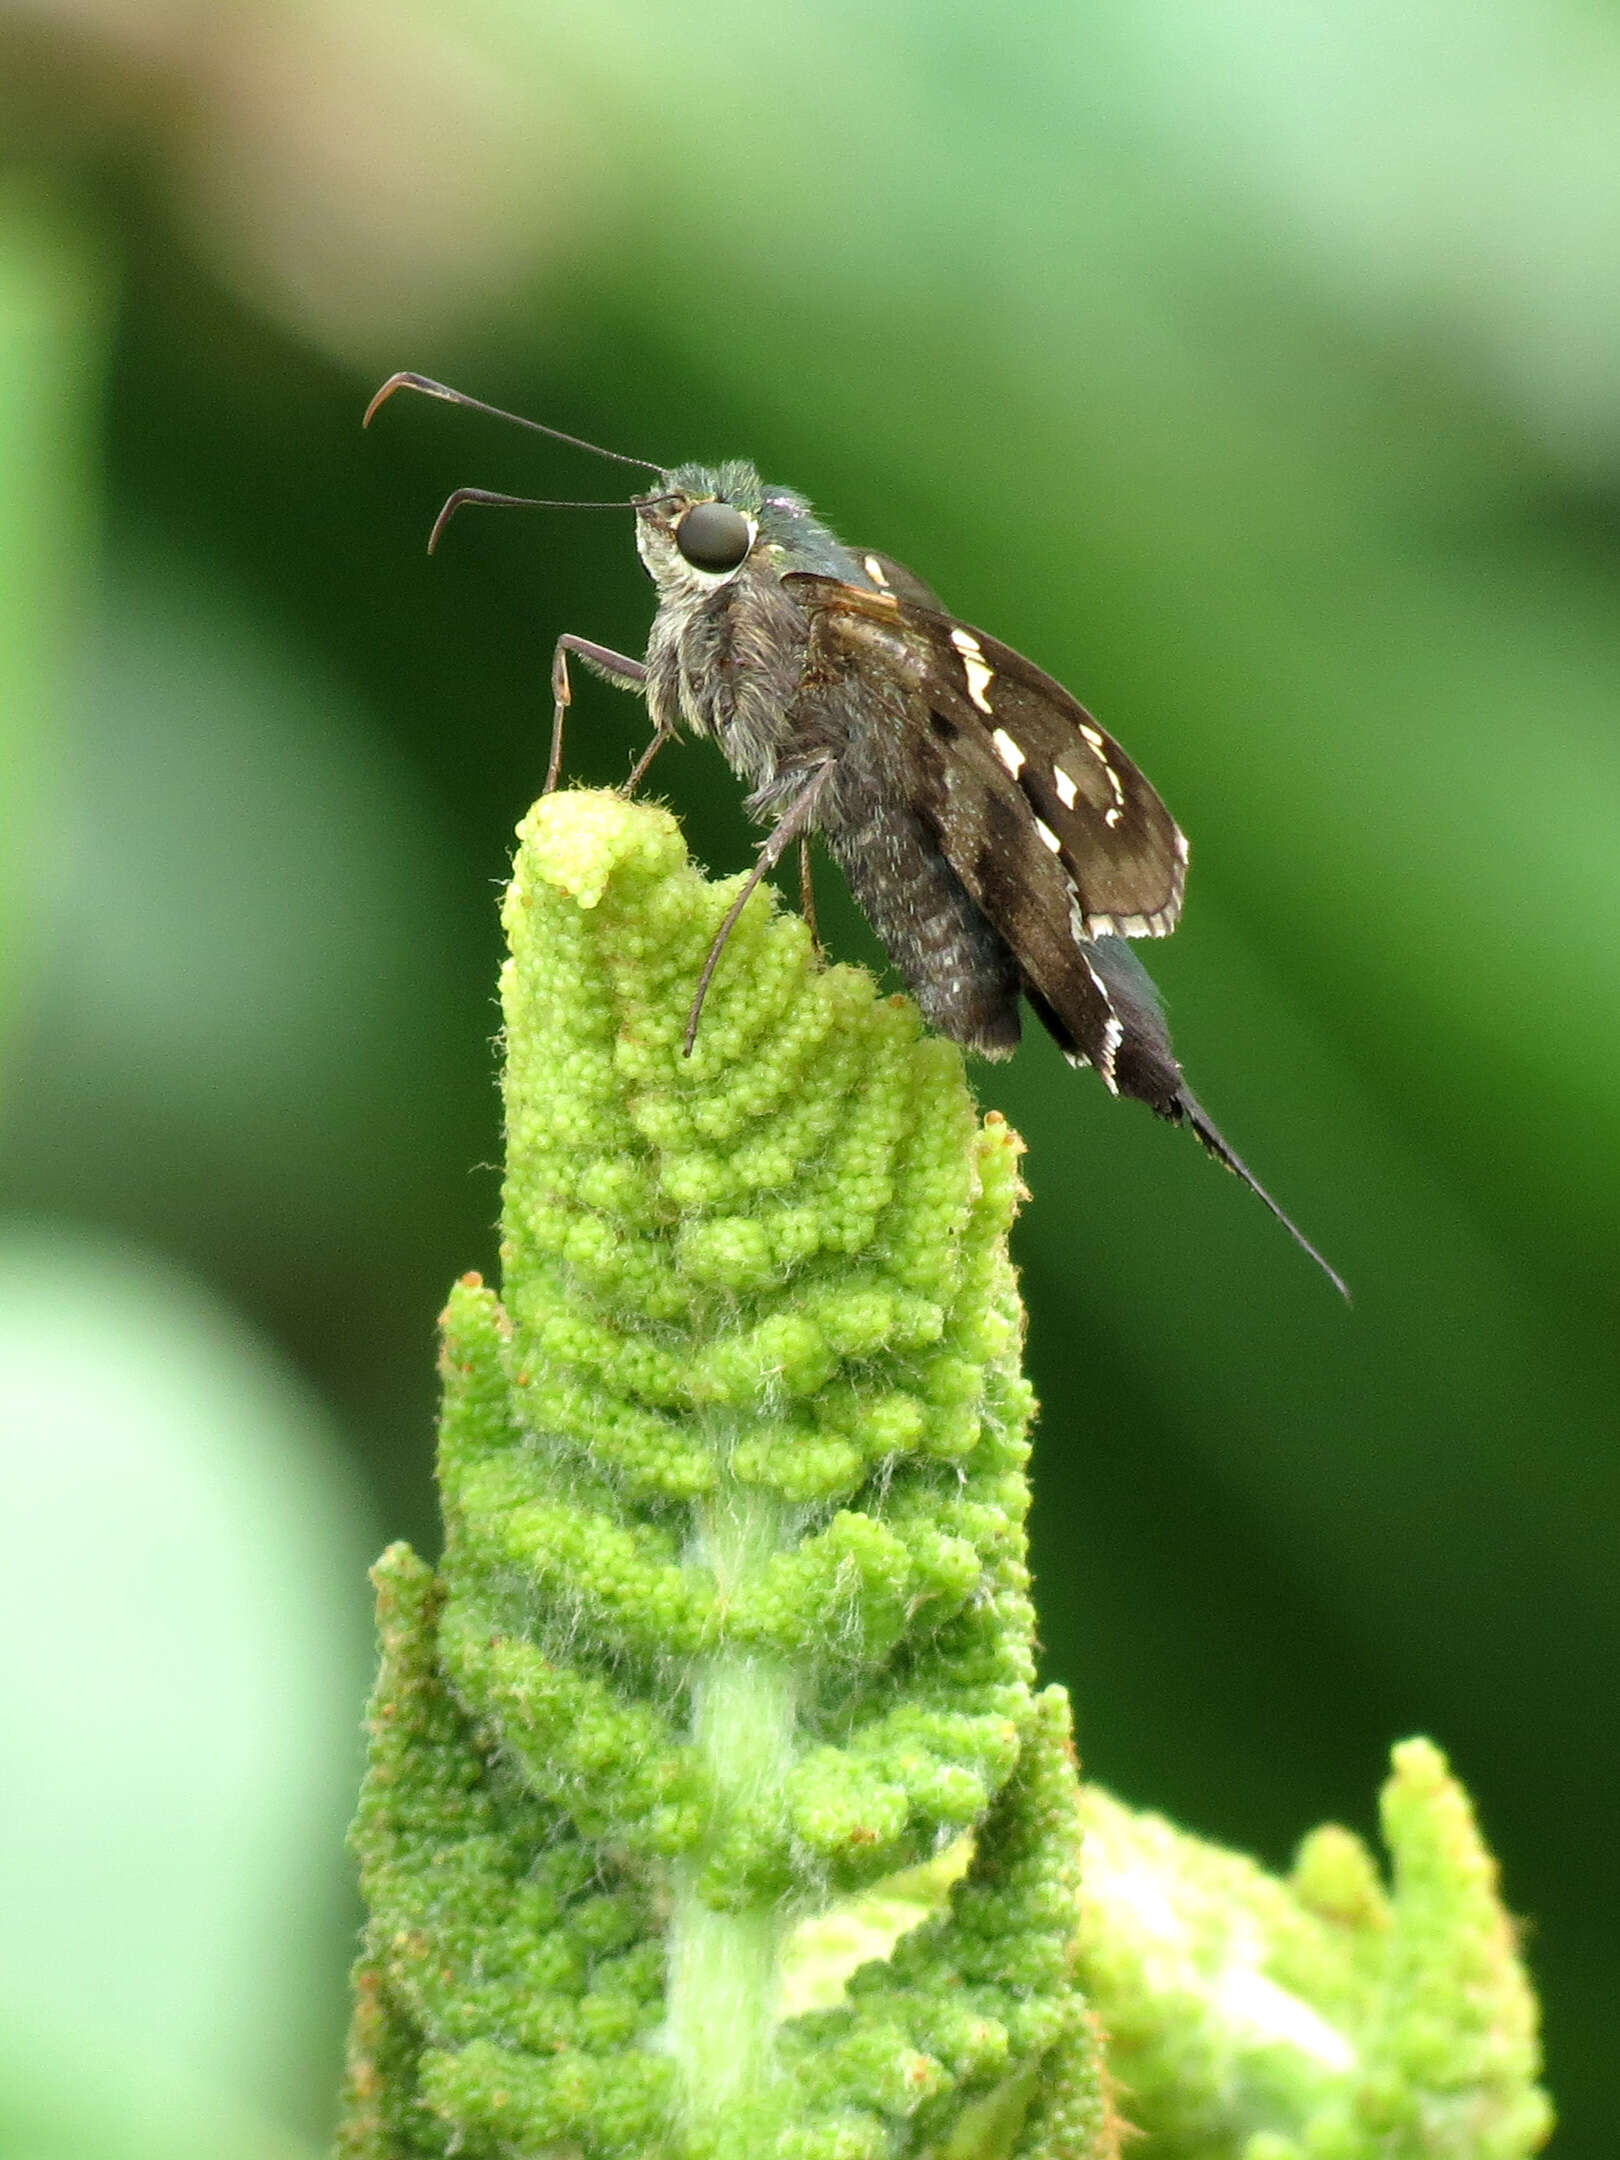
[710, 522]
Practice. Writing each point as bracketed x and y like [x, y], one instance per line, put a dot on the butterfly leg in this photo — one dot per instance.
[616, 668]
[661, 735]
[794, 823]
[807, 890]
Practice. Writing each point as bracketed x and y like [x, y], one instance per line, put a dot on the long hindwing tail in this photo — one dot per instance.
[1147, 1068]
[1193, 1113]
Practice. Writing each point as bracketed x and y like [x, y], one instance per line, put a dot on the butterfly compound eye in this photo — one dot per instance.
[713, 536]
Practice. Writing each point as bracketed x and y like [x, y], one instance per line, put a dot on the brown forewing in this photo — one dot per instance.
[1025, 739]
[987, 820]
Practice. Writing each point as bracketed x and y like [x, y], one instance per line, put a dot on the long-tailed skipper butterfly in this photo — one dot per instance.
[1003, 846]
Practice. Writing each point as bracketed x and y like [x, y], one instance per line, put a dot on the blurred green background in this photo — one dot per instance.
[1253, 367]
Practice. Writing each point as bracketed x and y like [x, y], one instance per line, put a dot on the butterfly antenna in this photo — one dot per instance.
[429, 388]
[491, 499]
[1194, 1114]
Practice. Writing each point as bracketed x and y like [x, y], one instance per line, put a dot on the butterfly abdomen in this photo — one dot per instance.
[959, 971]
[955, 964]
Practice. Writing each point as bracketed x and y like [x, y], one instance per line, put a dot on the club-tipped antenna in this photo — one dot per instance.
[492, 499]
[407, 380]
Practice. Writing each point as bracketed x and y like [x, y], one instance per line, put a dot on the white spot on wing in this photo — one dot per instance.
[1048, 836]
[1112, 815]
[979, 674]
[1099, 743]
[1067, 791]
[1008, 752]
[874, 570]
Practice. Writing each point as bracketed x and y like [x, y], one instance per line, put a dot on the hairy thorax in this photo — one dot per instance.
[729, 662]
